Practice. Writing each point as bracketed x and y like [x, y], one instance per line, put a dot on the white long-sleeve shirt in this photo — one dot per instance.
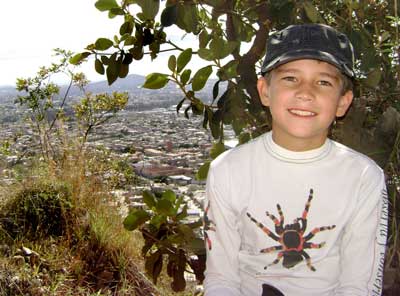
[305, 223]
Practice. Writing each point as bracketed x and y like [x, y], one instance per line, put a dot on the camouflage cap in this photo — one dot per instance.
[310, 41]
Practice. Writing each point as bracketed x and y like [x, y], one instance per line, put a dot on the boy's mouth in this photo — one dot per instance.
[302, 113]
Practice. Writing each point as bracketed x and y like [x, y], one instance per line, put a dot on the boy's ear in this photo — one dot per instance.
[262, 87]
[344, 103]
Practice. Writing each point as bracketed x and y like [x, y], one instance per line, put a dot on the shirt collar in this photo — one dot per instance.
[294, 156]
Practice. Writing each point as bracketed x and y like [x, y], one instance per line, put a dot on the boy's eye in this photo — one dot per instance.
[290, 78]
[324, 83]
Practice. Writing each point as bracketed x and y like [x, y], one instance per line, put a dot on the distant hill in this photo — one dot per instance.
[140, 98]
[130, 84]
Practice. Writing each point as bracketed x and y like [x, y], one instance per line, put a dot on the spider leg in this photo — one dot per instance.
[313, 245]
[207, 207]
[303, 224]
[274, 219]
[212, 228]
[276, 261]
[280, 214]
[271, 249]
[316, 230]
[265, 229]
[207, 240]
[278, 223]
[308, 203]
[308, 260]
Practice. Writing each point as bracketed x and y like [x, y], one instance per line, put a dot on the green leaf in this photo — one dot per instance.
[169, 195]
[78, 58]
[99, 67]
[149, 199]
[103, 44]
[216, 89]
[373, 78]
[244, 31]
[116, 11]
[204, 38]
[187, 17]
[165, 207]
[172, 63]
[217, 149]
[156, 81]
[207, 112]
[311, 12]
[168, 16]
[126, 28]
[128, 58]
[129, 40]
[197, 246]
[153, 265]
[158, 220]
[206, 54]
[200, 78]
[112, 72]
[105, 60]
[187, 232]
[135, 219]
[228, 71]
[197, 107]
[179, 283]
[203, 171]
[123, 70]
[183, 59]
[137, 52]
[221, 48]
[149, 8]
[215, 124]
[104, 5]
[185, 76]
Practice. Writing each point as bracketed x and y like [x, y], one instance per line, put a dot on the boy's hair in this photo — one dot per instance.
[311, 41]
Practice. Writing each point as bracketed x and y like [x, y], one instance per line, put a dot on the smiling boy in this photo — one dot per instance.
[293, 212]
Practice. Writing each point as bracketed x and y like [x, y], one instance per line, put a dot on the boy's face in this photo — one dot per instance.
[304, 97]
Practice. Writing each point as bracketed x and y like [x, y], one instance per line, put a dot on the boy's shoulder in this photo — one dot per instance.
[241, 153]
[347, 154]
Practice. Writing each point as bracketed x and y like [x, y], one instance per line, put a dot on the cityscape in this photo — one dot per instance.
[161, 145]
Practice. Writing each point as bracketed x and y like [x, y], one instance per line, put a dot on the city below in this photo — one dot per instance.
[159, 144]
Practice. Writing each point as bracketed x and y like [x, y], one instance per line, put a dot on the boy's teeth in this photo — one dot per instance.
[301, 112]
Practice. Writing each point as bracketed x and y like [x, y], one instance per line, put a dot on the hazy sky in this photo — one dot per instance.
[30, 29]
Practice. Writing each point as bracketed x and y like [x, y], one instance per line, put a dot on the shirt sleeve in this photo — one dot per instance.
[221, 236]
[364, 240]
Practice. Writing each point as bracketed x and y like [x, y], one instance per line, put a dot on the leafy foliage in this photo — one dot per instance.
[46, 108]
[231, 40]
[96, 110]
[169, 237]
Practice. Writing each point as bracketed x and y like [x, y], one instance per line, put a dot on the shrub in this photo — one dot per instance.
[37, 210]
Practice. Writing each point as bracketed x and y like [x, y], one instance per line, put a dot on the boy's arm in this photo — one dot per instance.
[222, 238]
[364, 240]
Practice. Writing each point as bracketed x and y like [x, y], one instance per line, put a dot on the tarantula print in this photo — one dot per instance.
[291, 238]
[208, 225]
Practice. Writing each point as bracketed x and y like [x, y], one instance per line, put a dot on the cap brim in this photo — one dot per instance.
[307, 54]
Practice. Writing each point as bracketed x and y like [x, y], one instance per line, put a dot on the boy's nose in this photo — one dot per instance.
[305, 92]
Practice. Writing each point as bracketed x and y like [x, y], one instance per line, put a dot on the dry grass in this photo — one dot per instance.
[94, 255]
